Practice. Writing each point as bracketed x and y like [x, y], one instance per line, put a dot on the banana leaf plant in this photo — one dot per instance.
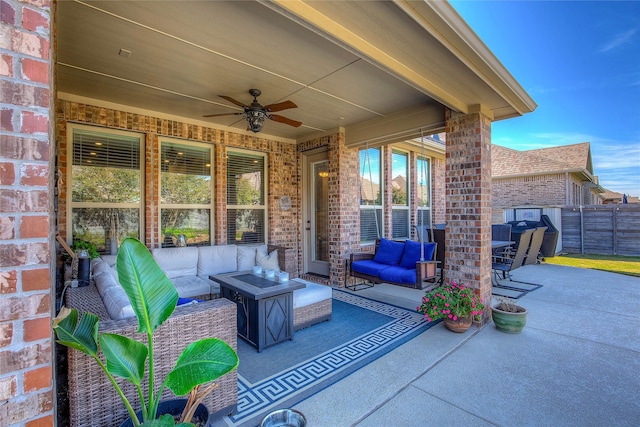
[153, 298]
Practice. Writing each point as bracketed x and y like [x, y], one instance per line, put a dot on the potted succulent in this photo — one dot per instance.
[153, 298]
[456, 304]
[508, 316]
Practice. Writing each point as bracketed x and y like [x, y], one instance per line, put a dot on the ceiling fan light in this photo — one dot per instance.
[255, 120]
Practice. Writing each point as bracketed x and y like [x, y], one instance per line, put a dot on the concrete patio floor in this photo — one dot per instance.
[576, 363]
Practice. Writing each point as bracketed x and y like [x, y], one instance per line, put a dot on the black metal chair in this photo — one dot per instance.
[501, 232]
[505, 263]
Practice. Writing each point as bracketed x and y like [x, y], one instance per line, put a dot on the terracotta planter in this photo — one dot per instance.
[508, 322]
[461, 325]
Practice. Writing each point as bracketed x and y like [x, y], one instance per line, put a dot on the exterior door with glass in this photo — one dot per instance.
[316, 217]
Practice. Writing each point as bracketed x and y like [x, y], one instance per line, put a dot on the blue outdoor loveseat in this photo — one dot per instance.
[397, 263]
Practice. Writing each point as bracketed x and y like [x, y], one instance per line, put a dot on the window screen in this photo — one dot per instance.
[106, 187]
[185, 194]
[246, 195]
[370, 194]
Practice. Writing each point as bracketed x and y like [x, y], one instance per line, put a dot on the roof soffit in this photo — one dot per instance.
[462, 71]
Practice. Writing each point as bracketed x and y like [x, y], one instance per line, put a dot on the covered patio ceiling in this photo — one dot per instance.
[383, 70]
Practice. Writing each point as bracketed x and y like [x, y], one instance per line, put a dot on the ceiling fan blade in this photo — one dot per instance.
[280, 106]
[230, 99]
[286, 121]
[223, 114]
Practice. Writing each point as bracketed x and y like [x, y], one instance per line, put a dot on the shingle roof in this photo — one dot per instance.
[509, 162]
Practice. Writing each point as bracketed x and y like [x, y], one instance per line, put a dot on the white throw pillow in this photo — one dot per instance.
[267, 261]
[113, 295]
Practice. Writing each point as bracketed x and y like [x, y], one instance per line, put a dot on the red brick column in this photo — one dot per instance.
[26, 239]
[468, 202]
[344, 207]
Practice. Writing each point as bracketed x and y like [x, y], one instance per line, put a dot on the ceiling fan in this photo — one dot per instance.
[255, 113]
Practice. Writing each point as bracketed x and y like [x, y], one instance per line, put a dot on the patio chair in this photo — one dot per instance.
[534, 247]
[501, 232]
[507, 262]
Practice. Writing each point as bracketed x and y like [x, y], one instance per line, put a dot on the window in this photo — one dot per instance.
[246, 198]
[185, 194]
[399, 195]
[105, 186]
[370, 195]
[423, 192]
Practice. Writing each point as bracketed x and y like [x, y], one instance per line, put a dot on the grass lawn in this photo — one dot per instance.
[616, 264]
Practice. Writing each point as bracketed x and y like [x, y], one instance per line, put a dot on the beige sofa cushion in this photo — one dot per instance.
[177, 262]
[217, 259]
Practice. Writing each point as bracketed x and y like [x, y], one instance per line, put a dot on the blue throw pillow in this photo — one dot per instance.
[187, 301]
[411, 253]
[389, 252]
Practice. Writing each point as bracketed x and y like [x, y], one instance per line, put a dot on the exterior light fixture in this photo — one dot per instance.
[255, 119]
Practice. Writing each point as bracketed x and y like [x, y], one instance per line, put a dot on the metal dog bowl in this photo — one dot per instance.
[284, 418]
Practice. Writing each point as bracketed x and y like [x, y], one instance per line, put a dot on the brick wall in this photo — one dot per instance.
[468, 203]
[26, 386]
[283, 164]
[543, 190]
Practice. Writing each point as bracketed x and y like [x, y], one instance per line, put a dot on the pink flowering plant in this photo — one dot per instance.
[452, 301]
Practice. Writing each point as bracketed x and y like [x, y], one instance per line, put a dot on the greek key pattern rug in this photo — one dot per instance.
[294, 384]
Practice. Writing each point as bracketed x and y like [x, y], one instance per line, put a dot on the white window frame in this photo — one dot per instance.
[420, 210]
[71, 205]
[265, 206]
[204, 206]
[364, 173]
[396, 234]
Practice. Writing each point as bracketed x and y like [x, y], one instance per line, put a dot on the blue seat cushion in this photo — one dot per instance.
[398, 275]
[369, 267]
[389, 252]
[411, 253]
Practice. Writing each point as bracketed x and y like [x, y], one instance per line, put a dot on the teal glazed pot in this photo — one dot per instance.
[508, 322]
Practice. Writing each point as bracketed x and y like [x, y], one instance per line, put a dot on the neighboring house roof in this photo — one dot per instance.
[575, 158]
[613, 197]
[399, 182]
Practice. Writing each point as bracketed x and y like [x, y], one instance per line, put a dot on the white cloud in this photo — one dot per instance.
[618, 40]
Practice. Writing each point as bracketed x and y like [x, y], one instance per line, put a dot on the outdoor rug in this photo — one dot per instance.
[360, 331]
[512, 289]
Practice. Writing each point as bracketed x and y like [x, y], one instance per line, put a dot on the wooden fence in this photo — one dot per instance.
[601, 229]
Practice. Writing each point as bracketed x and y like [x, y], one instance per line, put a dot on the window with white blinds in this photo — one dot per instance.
[399, 194]
[105, 186]
[423, 192]
[370, 195]
[185, 193]
[246, 197]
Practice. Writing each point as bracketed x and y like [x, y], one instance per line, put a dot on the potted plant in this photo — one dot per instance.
[508, 316]
[454, 303]
[153, 298]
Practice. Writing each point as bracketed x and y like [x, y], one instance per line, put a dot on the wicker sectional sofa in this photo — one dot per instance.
[93, 400]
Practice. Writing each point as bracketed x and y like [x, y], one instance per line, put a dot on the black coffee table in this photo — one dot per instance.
[265, 307]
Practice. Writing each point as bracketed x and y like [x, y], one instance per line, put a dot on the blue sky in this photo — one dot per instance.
[580, 62]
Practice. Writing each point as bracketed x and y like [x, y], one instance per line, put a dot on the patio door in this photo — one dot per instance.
[316, 215]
